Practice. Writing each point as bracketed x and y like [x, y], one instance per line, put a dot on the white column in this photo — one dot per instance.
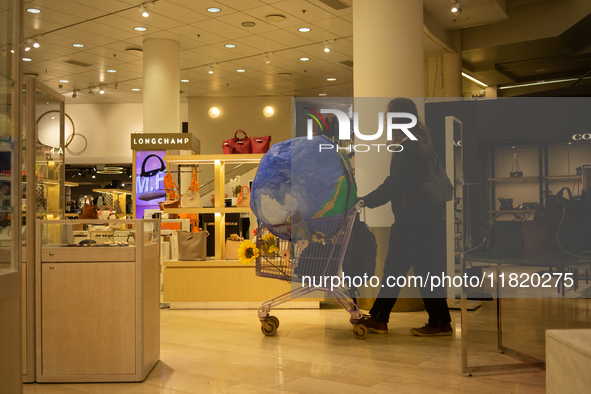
[490, 91]
[161, 86]
[389, 62]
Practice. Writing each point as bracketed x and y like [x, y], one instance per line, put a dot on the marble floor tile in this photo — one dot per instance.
[314, 351]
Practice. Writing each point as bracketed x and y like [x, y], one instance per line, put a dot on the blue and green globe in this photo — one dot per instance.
[295, 178]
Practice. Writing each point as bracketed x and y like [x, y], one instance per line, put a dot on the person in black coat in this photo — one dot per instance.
[417, 237]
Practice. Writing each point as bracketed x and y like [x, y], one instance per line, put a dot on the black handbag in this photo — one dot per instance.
[515, 170]
[569, 222]
[506, 239]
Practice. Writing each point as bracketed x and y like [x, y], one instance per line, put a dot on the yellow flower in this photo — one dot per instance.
[285, 255]
[247, 252]
[273, 249]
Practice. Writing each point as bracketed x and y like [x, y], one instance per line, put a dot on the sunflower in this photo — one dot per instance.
[247, 252]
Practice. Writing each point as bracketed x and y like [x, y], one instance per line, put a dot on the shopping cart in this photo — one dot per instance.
[306, 252]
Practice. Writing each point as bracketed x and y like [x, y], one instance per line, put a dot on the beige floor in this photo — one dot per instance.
[314, 351]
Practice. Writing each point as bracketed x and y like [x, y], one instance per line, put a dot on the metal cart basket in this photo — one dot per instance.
[306, 252]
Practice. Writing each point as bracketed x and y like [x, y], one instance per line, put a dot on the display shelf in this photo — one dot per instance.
[212, 159]
[563, 178]
[208, 263]
[114, 191]
[516, 179]
[513, 210]
[71, 184]
[208, 210]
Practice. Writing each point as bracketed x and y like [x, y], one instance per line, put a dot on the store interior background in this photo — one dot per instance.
[510, 45]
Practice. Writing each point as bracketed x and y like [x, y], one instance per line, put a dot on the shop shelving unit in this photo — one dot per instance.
[115, 198]
[219, 162]
[217, 279]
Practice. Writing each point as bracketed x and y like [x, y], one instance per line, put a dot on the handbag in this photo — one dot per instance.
[243, 199]
[102, 214]
[237, 145]
[232, 245]
[506, 204]
[192, 246]
[569, 222]
[169, 204]
[191, 198]
[260, 144]
[506, 239]
[515, 169]
[88, 211]
[535, 236]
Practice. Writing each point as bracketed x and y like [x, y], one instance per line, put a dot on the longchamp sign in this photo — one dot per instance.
[160, 141]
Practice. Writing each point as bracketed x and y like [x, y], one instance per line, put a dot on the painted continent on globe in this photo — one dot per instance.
[295, 178]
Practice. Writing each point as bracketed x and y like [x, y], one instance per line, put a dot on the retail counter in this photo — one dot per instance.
[97, 307]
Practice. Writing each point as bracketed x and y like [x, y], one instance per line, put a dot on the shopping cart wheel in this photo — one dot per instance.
[268, 327]
[360, 331]
[273, 318]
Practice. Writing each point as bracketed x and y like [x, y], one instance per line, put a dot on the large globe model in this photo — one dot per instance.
[295, 179]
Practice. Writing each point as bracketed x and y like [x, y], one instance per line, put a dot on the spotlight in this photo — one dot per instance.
[74, 94]
[28, 43]
[36, 43]
[73, 175]
[90, 91]
[101, 90]
[79, 173]
[210, 69]
[267, 60]
[456, 7]
[327, 47]
[93, 176]
[144, 11]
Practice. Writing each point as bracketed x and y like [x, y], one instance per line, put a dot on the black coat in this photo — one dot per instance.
[403, 188]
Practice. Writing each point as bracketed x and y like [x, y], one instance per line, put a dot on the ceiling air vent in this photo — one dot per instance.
[77, 63]
[335, 4]
[348, 63]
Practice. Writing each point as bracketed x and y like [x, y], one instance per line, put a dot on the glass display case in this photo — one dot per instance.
[102, 277]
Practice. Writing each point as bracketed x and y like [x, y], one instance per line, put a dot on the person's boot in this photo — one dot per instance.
[373, 325]
[430, 331]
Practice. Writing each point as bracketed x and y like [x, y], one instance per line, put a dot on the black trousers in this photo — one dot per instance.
[418, 244]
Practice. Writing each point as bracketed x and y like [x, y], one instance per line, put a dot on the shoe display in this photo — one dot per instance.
[430, 331]
[373, 325]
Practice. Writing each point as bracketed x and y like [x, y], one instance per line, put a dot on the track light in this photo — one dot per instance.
[210, 69]
[74, 94]
[28, 43]
[144, 8]
[267, 60]
[36, 42]
[456, 7]
[90, 91]
[101, 90]
[93, 176]
[327, 47]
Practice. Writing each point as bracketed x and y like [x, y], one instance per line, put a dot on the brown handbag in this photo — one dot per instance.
[88, 211]
[237, 145]
[260, 144]
[170, 204]
[192, 246]
[535, 236]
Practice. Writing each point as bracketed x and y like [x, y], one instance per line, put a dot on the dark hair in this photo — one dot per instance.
[403, 104]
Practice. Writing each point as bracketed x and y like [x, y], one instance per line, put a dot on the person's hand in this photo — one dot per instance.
[360, 202]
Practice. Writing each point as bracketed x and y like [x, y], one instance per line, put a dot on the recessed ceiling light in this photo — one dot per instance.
[78, 45]
[304, 59]
[230, 45]
[240, 70]
[64, 81]
[275, 18]
[111, 71]
[185, 80]
[248, 24]
[322, 94]
[33, 10]
[304, 29]
[139, 28]
[26, 59]
[331, 79]
[213, 9]
[135, 89]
